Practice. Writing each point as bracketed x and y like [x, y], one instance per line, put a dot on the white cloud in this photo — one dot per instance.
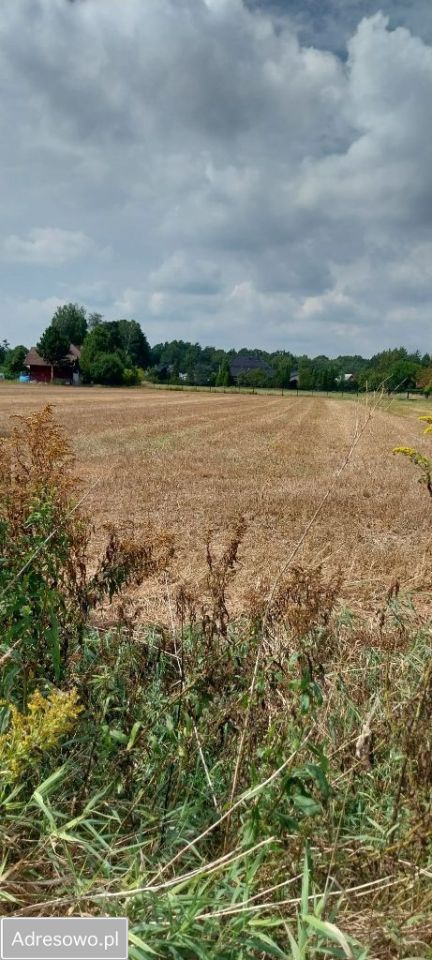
[23, 320]
[331, 300]
[251, 189]
[46, 245]
[157, 302]
[128, 302]
[184, 275]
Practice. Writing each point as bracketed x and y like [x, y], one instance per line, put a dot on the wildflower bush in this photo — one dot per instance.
[47, 588]
[241, 787]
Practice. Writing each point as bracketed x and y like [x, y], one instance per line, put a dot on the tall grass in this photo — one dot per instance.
[127, 806]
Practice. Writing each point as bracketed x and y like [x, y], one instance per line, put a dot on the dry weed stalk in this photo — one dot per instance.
[358, 433]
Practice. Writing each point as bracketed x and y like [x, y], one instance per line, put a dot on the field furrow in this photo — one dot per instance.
[184, 463]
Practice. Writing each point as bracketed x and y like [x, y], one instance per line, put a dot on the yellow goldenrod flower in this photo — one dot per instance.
[406, 451]
[36, 732]
[429, 421]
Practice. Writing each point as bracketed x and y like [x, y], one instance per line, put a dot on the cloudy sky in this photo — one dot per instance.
[237, 173]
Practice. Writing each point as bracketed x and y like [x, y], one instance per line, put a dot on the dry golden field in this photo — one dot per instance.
[187, 462]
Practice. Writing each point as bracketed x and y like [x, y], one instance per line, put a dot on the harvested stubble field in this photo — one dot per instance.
[186, 463]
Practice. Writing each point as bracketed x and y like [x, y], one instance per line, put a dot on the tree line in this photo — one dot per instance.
[118, 352]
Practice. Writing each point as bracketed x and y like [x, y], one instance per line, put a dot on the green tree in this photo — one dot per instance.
[224, 378]
[134, 342]
[349, 363]
[71, 320]
[403, 375]
[4, 350]
[156, 354]
[104, 358]
[53, 346]
[384, 360]
[103, 339]
[394, 372]
[306, 375]
[201, 374]
[326, 377]
[14, 361]
[371, 378]
[284, 368]
[174, 374]
[93, 320]
[255, 378]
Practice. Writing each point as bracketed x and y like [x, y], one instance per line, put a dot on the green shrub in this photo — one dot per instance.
[130, 377]
[108, 369]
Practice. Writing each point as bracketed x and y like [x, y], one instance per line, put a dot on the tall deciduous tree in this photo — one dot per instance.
[102, 342]
[53, 346]
[134, 342]
[283, 372]
[403, 375]
[70, 319]
[93, 320]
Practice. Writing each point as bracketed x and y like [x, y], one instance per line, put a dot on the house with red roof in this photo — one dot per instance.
[42, 372]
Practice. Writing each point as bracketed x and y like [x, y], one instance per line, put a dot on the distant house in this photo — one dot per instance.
[40, 370]
[294, 379]
[246, 363]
